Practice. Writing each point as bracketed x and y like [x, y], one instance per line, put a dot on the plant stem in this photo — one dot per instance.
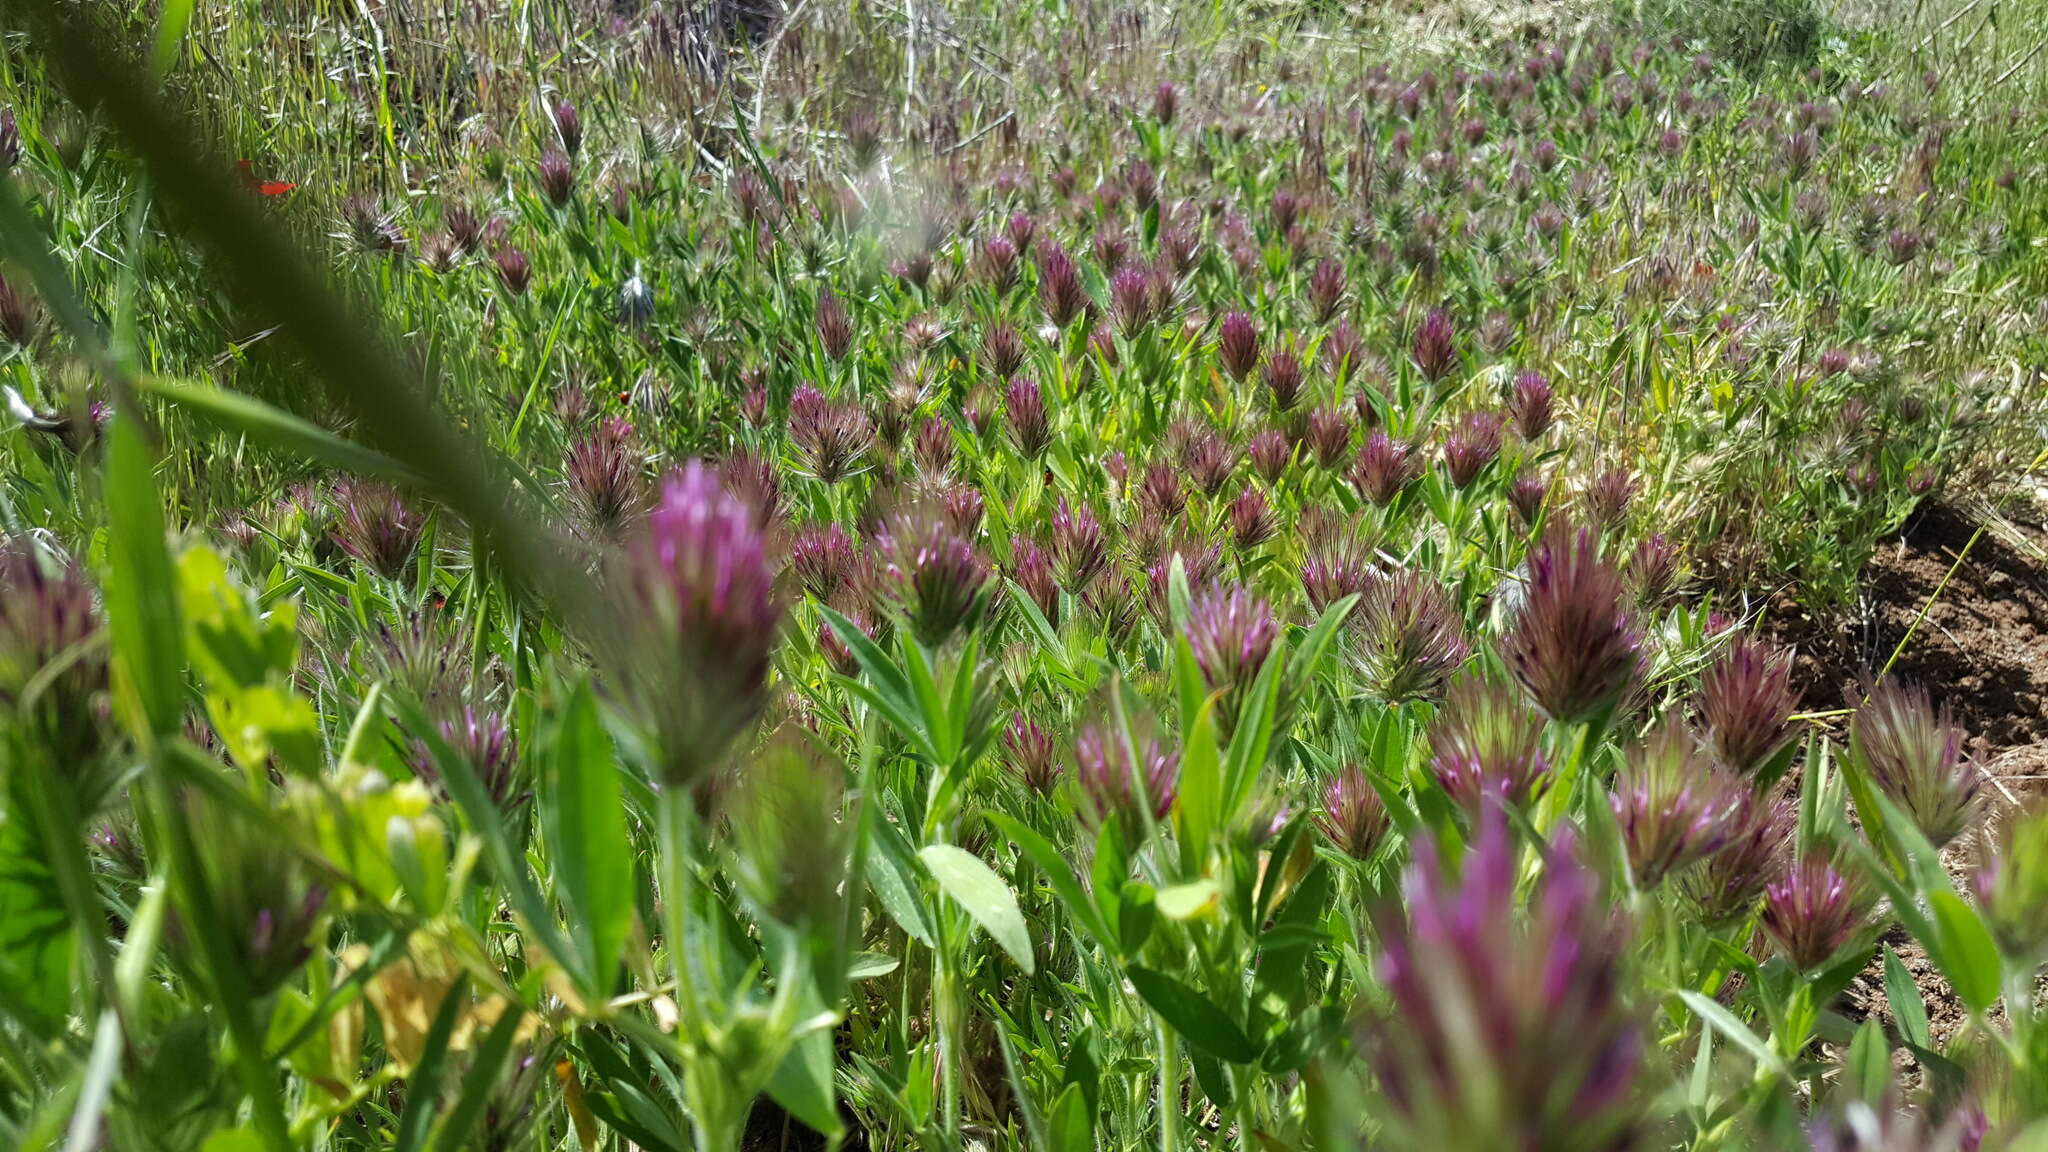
[1169, 1088]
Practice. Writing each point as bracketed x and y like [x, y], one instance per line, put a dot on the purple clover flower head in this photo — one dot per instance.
[1573, 648]
[515, 271]
[1607, 498]
[1471, 446]
[934, 577]
[1353, 816]
[1165, 102]
[1113, 786]
[485, 743]
[1033, 573]
[834, 325]
[823, 560]
[963, 509]
[1506, 1030]
[1344, 352]
[1002, 350]
[837, 655]
[1527, 493]
[1746, 705]
[605, 478]
[46, 614]
[1384, 468]
[832, 437]
[999, 263]
[1530, 404]
[1232, 632]
[1673, 806]
[704, 602]
[1270, 454]
[1237, 344]
[1811, 911]
[1029, 424]
[1914, 754]
[1325, 290]
[1210, 461]
[1408, 636]
[2011, 883]
[1335, 565]
[1202, 561]
[557, 177]
[1283, 378]
[1329, 436]
[377, 527]
[1725, 886]
[1079, 548]
[933, 447]
[1132, 304]
[752, 479]
[568, 125]
[1160, 491]
[1031, 755]
[1435, 350]
[1252, 520]
[1652, 570]
[1486, 741]
[1060, 293]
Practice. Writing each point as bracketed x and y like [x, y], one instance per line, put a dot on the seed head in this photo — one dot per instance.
[1811, 911]
[514, 270]
[1673, 806]
[1060, 293]
[1572, 646]
[1325, 290]
[1746, 704]
[703, 593]
[1471, 446]
[1725, 887]
[1032, 571]
[1914, 754]
[605, 476]
[1252, 520]
[377, 527]
[1506, 1030]
[1031, 755]
[1435, 351]
[1384, 468]
[823, 560]
[835, 325]
[557, 177]
[1232, 632]
[1530, 405]
[1408, 635]
[1353, 817]
[1112, 786]
[1284, 380]
[1237, 345]
[1270, 454]
[933, 577]
[1210, 460]
[2012, 886]
[568, 126]
[1160, 491]
[1487, 742]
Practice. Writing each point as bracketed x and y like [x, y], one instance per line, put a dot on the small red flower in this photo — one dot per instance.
[247, 172]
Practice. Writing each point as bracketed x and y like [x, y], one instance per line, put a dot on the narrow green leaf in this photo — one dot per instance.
[1724, 1022]
[583, 813]
[1909, 1011]
[869, 965]
[984, 896]
[1868, 1069]
[243, 415]
[1969, 955]
[893, 876]
[1190, 1014]
[142, 597]
[802, 1083]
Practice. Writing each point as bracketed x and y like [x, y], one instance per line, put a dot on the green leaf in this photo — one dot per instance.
[142, 597]
[802, 1083]
[894, 879]
[247, 416]
[1868, 1070]
[984, 896]
[583, 814]
[1187, 901]
[1057, 873]
[1724, 1022]
[1909, 1011]
[37, 940]
[1969, 956]
[1069, 1127]
[1190, 1014]
[869, 965]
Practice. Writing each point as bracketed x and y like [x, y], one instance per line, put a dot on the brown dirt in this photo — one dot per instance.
[1982, 647]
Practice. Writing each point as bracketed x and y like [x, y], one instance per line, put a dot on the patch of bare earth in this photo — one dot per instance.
[1980, 644]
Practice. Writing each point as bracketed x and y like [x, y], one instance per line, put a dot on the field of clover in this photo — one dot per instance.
[600, 575]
